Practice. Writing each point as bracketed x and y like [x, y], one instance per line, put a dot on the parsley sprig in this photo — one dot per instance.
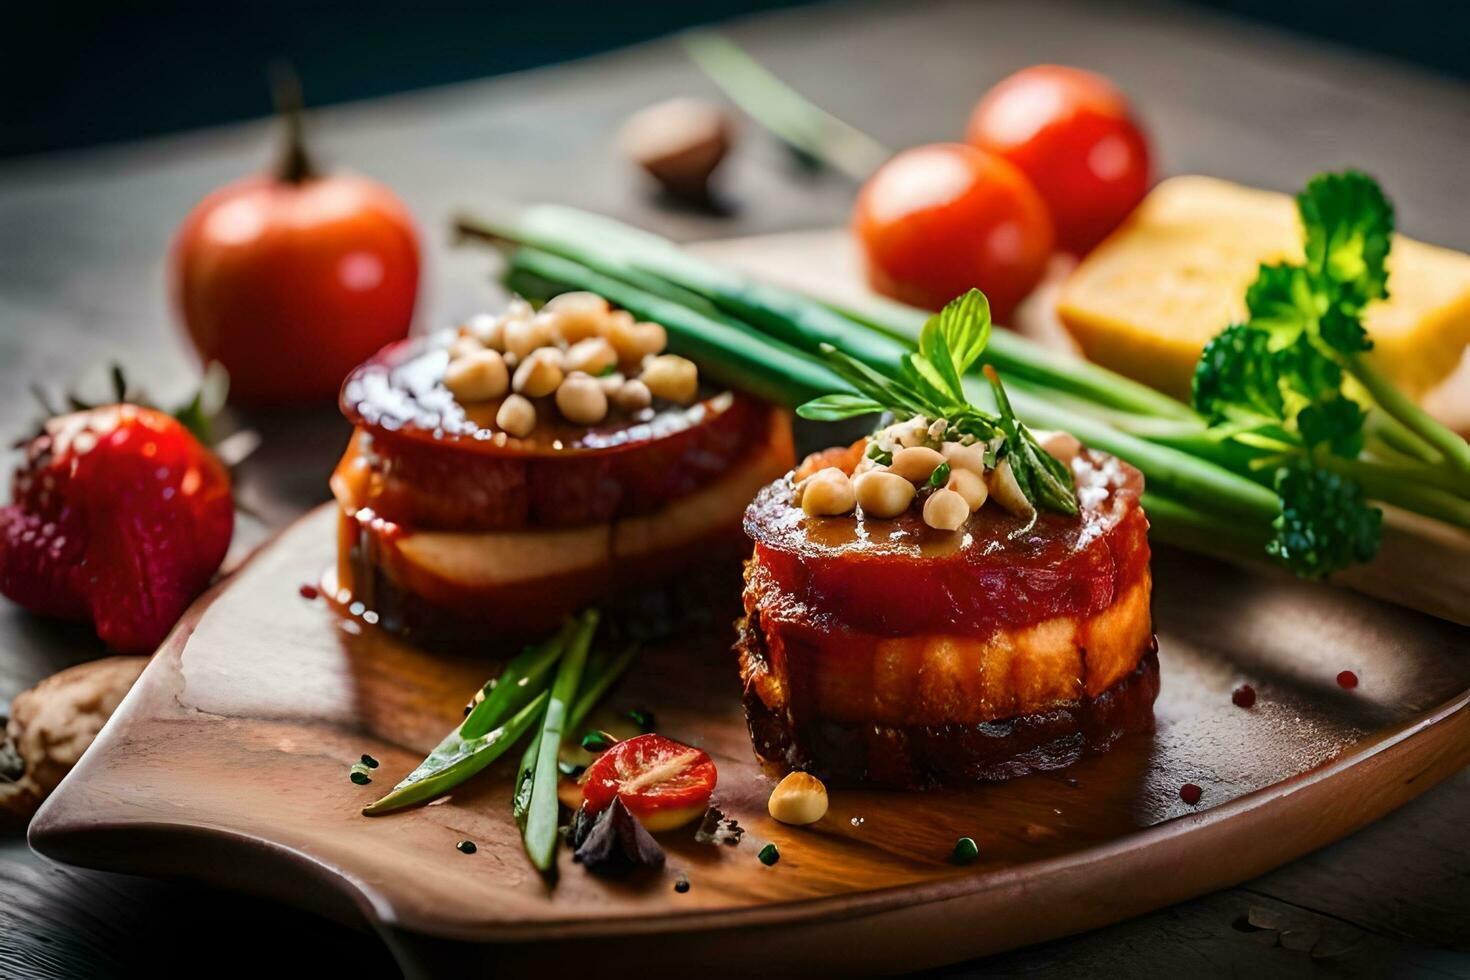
[1291, 380]
[930, 382]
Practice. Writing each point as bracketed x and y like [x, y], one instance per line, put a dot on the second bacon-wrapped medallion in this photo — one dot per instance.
[955, 598]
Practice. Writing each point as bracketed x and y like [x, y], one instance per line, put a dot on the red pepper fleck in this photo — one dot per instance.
[308, 591]
[1244, 696]
[1347, 679]
[1190, 793]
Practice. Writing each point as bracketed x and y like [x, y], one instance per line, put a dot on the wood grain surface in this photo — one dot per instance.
[81, 283]
[228, 762]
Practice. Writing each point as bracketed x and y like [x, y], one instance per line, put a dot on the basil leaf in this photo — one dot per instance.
[831, 408]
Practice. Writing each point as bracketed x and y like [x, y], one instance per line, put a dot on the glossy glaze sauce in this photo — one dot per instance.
[900, 577]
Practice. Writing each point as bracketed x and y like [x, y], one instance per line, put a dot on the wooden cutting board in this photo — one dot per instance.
[228, 763]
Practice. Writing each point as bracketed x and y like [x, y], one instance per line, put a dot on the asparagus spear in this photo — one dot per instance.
[600, 678]
[539, 834]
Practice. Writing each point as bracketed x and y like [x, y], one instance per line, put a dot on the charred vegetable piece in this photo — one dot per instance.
[616, 843]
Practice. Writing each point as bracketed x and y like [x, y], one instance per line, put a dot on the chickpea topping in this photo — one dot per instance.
[968, 484]
[635, 341]
[827, 493]
[799, 799]
[488, 330]
[1063, 445]
[592, 356]
[1006, 491]
[580, 399]
[963, 457]
[883, 494]
[577, 316]
[519, 337]
[915, 463]
[912, 432]
[517, 416]
[945, 510]
[464, 345]
[539, 374]
[633, 396]
[672, 377]
[477, 376]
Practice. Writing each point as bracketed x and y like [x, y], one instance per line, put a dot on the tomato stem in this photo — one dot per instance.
[295, 166]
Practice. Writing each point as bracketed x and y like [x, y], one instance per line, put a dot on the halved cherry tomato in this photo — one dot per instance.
[663, 783]
[1073, 134]
[937, 220]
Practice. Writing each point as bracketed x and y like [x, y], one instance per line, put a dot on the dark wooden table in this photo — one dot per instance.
[82, 239]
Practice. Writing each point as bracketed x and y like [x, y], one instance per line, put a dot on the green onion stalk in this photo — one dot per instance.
[767, 340]
[1200, 494]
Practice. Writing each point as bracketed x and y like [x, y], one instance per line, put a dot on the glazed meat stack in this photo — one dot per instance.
[488, 484]
[887, 651]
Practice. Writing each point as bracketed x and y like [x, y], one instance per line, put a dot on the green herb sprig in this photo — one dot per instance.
[930, 383]
[1291, 382]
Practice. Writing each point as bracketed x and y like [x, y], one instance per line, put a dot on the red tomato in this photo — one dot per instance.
[290, 283]
[937, 220]
[1072, 133]
[663, 783]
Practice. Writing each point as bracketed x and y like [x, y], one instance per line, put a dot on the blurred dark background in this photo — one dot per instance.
[77, 74]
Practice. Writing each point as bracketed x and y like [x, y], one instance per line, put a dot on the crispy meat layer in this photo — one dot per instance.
[895, 632]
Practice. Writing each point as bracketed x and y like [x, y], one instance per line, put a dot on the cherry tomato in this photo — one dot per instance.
[1073, 134]
[663, 783]
[937, 220]
[290, 280]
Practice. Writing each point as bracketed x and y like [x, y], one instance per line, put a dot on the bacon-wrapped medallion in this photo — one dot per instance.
[904, 647]
[523, 466]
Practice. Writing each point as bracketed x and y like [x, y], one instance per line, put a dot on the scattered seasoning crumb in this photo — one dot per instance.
[1347, 680]
[965, 851]
[466, 847]
[369, 761]
[716, 828]
[1243, 696]
[308, 591]
[769, 855]
[682, 885]
[359, 777]
[643, 719]
[1190, 793]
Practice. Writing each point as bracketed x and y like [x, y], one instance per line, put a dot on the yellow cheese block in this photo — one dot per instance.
[1146, 300]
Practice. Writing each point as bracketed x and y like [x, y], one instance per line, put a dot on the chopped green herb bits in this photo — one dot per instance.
[965, 851]
[369, 761]
[769, 855]
[940, 476]
[466, 847]
[643, 719]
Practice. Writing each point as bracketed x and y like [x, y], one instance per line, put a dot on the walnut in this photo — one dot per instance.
[53, 723]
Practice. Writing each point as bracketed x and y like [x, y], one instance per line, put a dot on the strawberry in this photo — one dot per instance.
[120, 516]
